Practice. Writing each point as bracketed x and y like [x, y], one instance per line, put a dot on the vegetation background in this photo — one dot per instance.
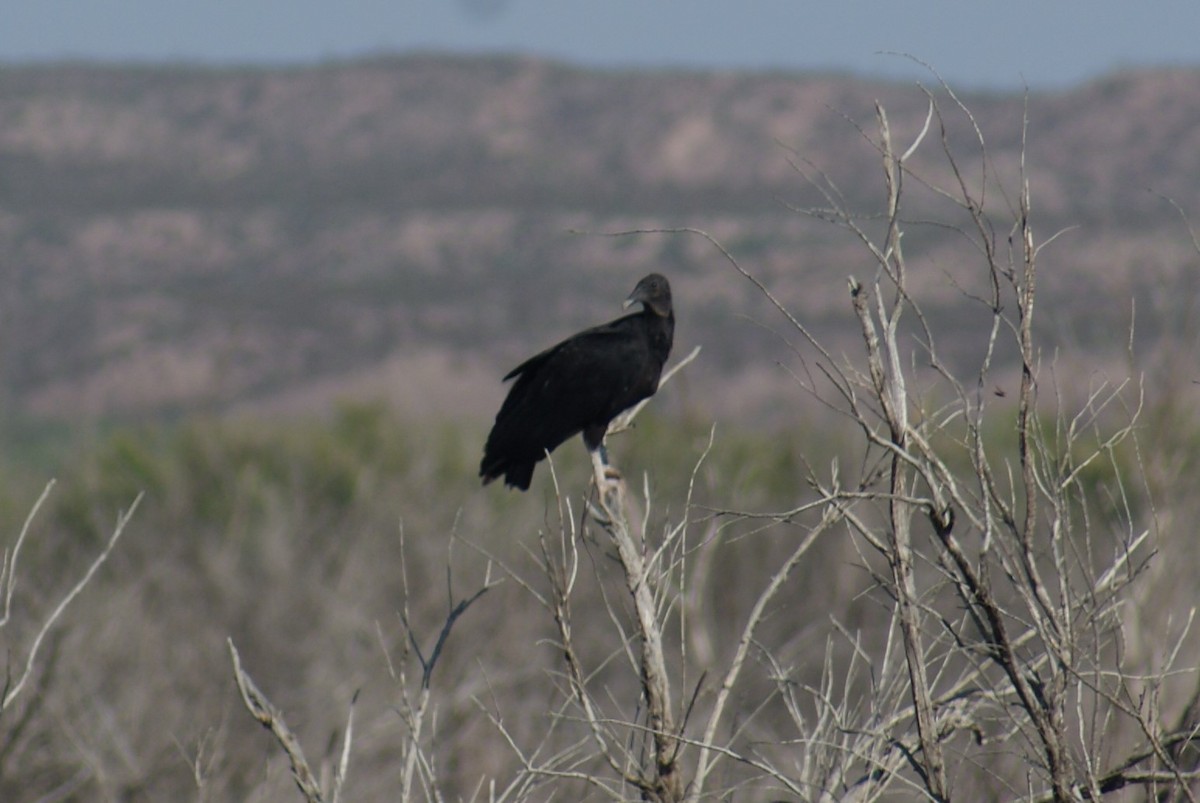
[277, 302]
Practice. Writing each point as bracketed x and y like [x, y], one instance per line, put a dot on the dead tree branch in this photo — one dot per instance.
[13, 687]
[270, 718]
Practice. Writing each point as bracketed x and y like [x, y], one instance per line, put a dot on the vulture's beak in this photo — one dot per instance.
[634, 298]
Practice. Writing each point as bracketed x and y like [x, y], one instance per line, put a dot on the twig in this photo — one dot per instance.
[343, 766]
[122, 519]
[270, 718]
[8, 572]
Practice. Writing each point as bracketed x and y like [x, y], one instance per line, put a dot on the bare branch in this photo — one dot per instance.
[15, 689]
[8, 572]
[270, 718]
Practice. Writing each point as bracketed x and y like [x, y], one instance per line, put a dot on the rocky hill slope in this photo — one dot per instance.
[177, 238]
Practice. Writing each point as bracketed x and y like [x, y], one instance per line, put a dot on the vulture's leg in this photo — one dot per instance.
[599, 463]
[610, 488]
[604, 471]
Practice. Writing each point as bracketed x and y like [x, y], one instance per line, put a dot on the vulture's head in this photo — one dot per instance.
[655, 292]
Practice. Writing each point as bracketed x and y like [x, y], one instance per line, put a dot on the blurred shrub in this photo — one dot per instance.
[285, 534]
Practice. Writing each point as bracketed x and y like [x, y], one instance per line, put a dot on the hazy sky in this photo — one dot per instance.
[999, 43]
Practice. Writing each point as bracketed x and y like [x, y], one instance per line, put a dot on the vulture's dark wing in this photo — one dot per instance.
[578, 385]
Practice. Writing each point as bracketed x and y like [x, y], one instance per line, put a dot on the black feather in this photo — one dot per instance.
[580, 385]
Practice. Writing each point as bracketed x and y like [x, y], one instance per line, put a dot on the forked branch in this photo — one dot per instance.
[13, 687]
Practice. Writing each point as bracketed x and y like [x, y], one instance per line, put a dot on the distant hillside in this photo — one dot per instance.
[182, 238]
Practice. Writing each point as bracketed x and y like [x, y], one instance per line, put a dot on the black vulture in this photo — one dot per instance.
[580, 385]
